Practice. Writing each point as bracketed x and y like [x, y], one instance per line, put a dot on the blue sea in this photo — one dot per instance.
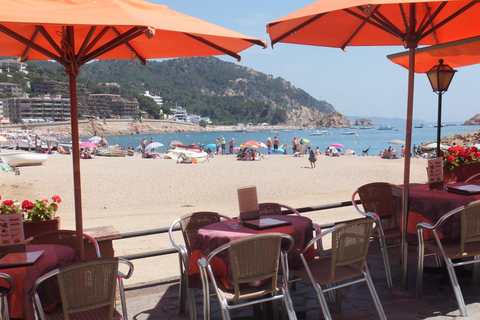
[376, 140]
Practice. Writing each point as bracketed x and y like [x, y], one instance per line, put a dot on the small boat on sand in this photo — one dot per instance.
[19, 159]
[189, 148]
[109, 152]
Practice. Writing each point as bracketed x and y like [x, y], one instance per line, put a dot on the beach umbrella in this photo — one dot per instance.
[76, 32]
[153, 145]
[252, 143]
[211, 145]
[87, 144]
[433, 145]
[304, 140]
[347, 152]
[285, 145]
[333, 23]
[397, 142]
[95, 138]
[174, 143]
[262, 145]
[338, 145]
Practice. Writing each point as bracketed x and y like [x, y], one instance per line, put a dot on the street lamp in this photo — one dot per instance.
[440, 77]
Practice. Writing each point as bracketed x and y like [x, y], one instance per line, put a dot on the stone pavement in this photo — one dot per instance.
[160, 300]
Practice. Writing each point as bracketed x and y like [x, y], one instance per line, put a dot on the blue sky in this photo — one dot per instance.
[359, 82]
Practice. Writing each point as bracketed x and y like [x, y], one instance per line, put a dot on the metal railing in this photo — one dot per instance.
[162, 230]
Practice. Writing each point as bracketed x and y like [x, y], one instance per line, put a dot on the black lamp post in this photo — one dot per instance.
[440, 77]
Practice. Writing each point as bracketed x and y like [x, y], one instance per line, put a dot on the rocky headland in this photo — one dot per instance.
[473, 121]
[364, 122]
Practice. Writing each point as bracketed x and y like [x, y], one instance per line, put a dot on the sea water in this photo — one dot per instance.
[374, 139]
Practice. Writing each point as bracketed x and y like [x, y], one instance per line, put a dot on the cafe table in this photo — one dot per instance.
[53, 256]
[427, 205]
[217, 234]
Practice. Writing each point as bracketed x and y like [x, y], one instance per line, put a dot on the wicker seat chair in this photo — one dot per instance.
[4, 292]
[468, 246]
[350, 241]
[64, 237]
[87, 290]
[253, 258]
[473, 179]
[378, 203]
[189, 225]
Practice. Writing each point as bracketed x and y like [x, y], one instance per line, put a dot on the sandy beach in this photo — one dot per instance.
[135, 194]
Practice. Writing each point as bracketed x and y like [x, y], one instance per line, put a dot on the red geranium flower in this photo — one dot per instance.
[56, 199]
[450, 158]
[8, 202]
[27, 205]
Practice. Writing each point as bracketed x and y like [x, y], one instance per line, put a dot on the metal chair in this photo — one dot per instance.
[378, 203]
[252, 259]
[473, 179]
[63, 237]
[350, 241]
[4, 292]
[87, 290]
[467, 246]
[189, 225]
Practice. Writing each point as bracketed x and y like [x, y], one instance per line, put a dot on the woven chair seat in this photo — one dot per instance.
[452, 248]
[320, 269]
[96, 314]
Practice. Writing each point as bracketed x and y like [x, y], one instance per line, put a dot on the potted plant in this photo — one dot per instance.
[38, 216]
[460, 163]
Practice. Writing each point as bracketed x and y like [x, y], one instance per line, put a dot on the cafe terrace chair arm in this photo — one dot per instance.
[473, 179]
[345, 266]
[257, 272]
[63, 237]
[467, 246]
[4, 291]
[87, 286]
[189, 225]
[378, 202]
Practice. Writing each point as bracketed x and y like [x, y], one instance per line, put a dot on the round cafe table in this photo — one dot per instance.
[54, 256]
[217, 234]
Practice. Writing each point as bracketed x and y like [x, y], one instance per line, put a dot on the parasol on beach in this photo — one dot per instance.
[349, 152]
[87, 144]
[174, 143]
[95, 138]
[154, 145]
[337, 145]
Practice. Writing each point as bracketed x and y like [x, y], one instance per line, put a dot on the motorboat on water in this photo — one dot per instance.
[318, 132]
[349, 132]
[20, 158]
[385, 128]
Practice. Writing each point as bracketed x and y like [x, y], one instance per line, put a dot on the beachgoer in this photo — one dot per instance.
[151, 140]
[103, 142]
[231, 144]
[269, 145]
[327, 152]
[29, 140]
[60, 149]
[403, 152]
[143, 145]
[38, 144]
[334, 152]
[217, 145]
[414, 151]
[276, 142]
[130, 151]
[381, 154]
[302, 148]
[318, 152]
[224, 146]
[294, 144]
[312, 158]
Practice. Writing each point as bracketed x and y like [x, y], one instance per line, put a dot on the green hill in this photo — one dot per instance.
[208, 86]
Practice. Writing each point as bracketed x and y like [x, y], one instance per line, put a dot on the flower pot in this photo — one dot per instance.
[31, 228]
[461, 173]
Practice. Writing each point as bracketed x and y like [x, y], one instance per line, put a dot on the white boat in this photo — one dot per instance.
[19, 159]
[318, 132]
[186, 156]
[349, 132]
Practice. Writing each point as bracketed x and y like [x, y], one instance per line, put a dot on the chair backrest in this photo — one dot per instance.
[255, 258]
[270, 209]
[350, 242]
[191, 223]
[377, 197]
[88, 285]
[470, 224]
[63, 237]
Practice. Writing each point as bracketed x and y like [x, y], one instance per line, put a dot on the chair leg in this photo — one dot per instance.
[323, 302]
[476, 271]
[182, 289]
[192, 305]
[288, 305]
[386, 262]
[456, 288]
[5, 314]
[373, 292]
[421, 258]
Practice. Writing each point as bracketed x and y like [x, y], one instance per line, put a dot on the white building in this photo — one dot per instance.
[179, 114]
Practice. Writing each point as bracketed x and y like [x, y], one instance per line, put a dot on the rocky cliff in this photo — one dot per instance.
[334, 120]
[364, 122]
[473, 121]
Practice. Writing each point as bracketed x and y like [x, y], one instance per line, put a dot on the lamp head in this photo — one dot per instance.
[440, 76]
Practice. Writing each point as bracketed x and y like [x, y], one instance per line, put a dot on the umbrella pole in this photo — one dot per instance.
[406, 170]
[77, 184]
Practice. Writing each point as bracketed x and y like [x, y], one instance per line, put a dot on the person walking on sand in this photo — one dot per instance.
[312, 158]
[143, 145]
[294, 144]
[217, 145]
[231, 144]
[29, 140]
[276, 142]
[269, 145]
[224, 146]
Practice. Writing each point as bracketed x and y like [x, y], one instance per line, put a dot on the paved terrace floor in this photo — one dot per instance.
[160, 300]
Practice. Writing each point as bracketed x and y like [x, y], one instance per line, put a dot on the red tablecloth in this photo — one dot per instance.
[217, 234]
[54, 256]
[430, 205]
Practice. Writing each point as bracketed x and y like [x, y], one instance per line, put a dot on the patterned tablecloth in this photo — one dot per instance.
[430, 205]
[54, 256]
[217, 234]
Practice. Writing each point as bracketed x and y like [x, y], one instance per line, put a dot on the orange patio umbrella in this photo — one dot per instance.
[342, 23]
[456, 54]
[74, 32]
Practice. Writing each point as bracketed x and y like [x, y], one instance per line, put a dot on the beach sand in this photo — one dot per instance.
[134, 194]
